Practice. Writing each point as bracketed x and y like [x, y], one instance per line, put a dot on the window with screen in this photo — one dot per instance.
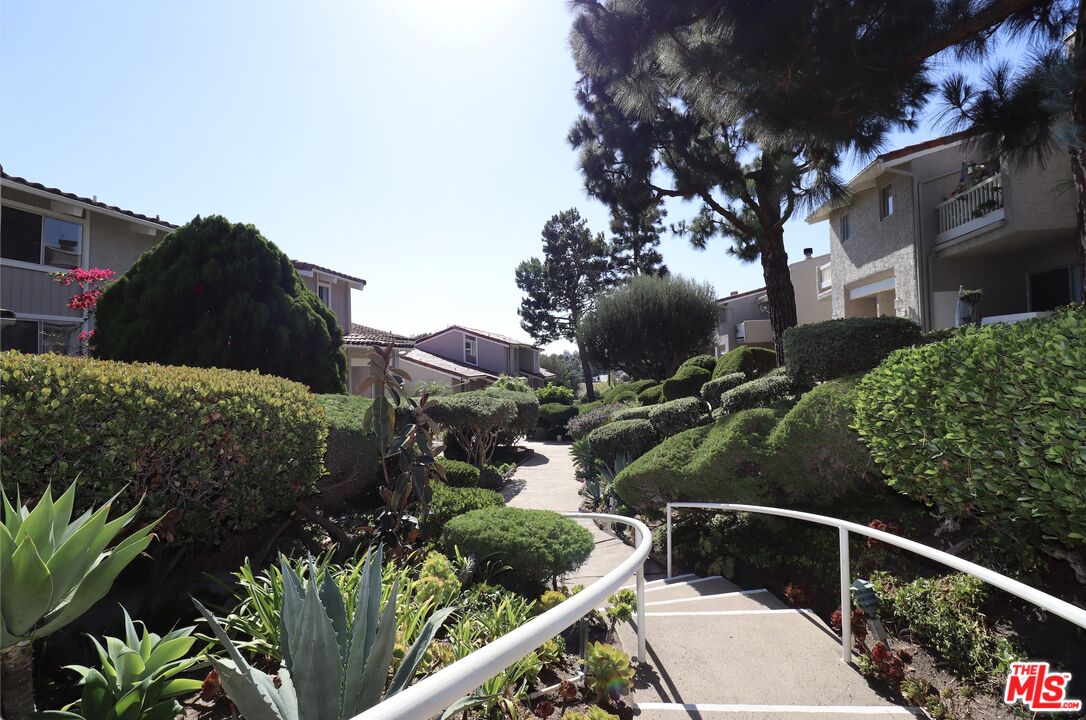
[471, 350]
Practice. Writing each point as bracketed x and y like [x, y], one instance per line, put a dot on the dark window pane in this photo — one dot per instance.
[63, 243]
[1050, 290]
[21, 335]
[20, 235]
[59, 338]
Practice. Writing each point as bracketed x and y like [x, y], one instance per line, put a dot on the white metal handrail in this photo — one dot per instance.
[1054, 605]
[430, 696]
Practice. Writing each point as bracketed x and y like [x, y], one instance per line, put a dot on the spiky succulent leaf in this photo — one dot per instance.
[410, 663]
[318, 670]
[27, 585]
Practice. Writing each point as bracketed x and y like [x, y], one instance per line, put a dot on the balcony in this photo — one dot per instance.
[972, 209]
[754, 332]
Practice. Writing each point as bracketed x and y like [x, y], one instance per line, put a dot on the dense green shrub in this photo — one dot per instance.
[989, 425]
[216, 294]
[524, 420]
[473, 420]
[218, 451]
[433, 388]
[686, 382]
[492, 477]
[815, 457]
[705, 362]
[537, 545]
[622, 437]
[835, 348]
[623, 392]
[720, 462]
[750, 360]
[551, 393]
[448, 502]
[585, 423]
[652, 395]
[762, 392]
[674, 416]
[633, 412]
[351, 454]
[554, 416]
[587, 407]
[460, 474]
[712, 390]
[512, 382]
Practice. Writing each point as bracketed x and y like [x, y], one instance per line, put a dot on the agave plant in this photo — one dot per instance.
[52, 569]
[332, 668]
[138, 678]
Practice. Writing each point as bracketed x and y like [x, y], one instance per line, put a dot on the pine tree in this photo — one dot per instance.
[635, 239]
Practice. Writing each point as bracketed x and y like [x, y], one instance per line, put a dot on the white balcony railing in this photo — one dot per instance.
[971, 209]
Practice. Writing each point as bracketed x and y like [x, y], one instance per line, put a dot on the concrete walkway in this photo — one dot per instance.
[715, 650]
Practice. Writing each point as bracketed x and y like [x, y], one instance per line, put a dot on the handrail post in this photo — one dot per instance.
[669, 541]
[642, 654]
[846, 598]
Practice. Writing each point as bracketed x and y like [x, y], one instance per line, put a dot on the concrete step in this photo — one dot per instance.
[705, 711]
[734, 600]
[761, 657]
[690, 588]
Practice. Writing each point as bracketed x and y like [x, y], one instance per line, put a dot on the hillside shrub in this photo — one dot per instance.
[750, 360]
[622, 437]
[492, 477]
[712, 390]
[448, 502]
[351, 454]
[674, 416]
[554, 416]
[551, 393]
[537, 545]
[623, 392]
[217, 451]
[686, 382]
[633, 412]
[762, 392]
[512, 382]
[652, 395]
[432, 388]
[473, 420]
[990, 426]
[720, 462]
[521, 422]
[705, 362]
[587, 407]
[835, 348]
[460, 474]
[598, 416]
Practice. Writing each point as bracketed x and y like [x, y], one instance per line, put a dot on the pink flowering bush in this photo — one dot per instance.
[92, 283]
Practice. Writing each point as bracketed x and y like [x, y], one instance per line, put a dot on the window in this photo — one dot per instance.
[324, 292]
[40, 336]
[1054, 288]
[886, 202]
[471, 350]
[40, 239]
[846, 228]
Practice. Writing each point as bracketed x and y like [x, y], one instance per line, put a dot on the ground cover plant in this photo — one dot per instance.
[834, 348]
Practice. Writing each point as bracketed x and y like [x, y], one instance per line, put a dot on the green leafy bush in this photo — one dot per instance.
[712, 390]
[460, 474]
[598, 416]
[623, 392]
[686, 382]
[551, 393]
[750, 360]
[432, 388]
[652, 395]
[554, 416]
[705, 362]
[762, 392]
[449, 502]
[521, 422]
[622, 437]
[215, 451]
[512, 382]
[537, 545]
[351, 454]
[945, 614]
[673, 417]
[989, 425]
[835, 348]
[715, 463]
[473, 420]
[815, 458]
[631, 413]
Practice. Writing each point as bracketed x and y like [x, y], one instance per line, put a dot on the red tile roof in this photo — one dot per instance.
[421, 357]
[87, 200]
[303, 265]
[365, 335]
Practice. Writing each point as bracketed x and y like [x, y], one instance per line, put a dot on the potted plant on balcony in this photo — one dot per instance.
[968, 309]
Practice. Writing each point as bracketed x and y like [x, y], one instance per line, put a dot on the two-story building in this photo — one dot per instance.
[928, 220]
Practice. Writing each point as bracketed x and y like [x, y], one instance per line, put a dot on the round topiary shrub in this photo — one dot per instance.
[586, 422]
[712, 390]
[673, 417]
[623, 391]
[835, 348]
[750, 360]
[622, 437]
[521, 422]
[351, 453]
[473, 420]
[651, 395]
[686, 382]
[551, 393]
[632, 413]
[537, 545]
[448, 502]
[460, 474]
[705, 362]
[762, 392]
[554, 416]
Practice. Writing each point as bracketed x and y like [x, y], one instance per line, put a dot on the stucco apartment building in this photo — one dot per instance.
[925, 220]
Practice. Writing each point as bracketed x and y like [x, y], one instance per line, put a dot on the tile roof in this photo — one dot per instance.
[365, 335]
[421, 357]
[93, 202]
[303, 265]
[738, 295]
[496, 337]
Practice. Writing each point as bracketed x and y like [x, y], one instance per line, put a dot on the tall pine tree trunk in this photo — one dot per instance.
[586, 368]
[778, 286]
[1078, 147]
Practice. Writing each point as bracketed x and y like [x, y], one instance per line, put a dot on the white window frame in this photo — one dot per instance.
[886, 201]
[474, 342]
[323, 285]
[52, 319]
[846, 228]
[84, 242]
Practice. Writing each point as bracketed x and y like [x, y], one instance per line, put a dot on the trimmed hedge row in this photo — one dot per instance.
[632, 413]
[652, 395]
[835, 348]
[764, 391]
[460, 474]
[750, 360]
[622, 392]
[631, 438]
[673, 417]
[351, 454]
[447, 503]
[705, 362]
[554, 416]
[218, 450]
[686, 382]
[712, 390]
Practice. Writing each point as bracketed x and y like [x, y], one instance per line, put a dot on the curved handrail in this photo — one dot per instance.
[1054, 605]
[431, 695]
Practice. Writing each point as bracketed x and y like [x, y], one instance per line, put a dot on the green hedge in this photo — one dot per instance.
[762, 392]
[705, 362]
[835, 348]
[554, 416]
[652, 395]
[523, 420]
[551, 393]
[747, 359]
[537, 545]
[460, 474]
[218, 450]
[632, 413]
[712, 390]
[474, 420]
[686, 382]
[624, 392]
[622, 437]
[351, 454]
[449, 502]
[674, 416]
[989, 425]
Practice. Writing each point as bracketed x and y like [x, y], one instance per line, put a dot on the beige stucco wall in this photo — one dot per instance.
[809, 308]
[340, 296]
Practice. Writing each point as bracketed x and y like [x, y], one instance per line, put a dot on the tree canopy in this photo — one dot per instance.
[217, 294]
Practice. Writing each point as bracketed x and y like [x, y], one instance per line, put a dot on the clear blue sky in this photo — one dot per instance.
[420, 144]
